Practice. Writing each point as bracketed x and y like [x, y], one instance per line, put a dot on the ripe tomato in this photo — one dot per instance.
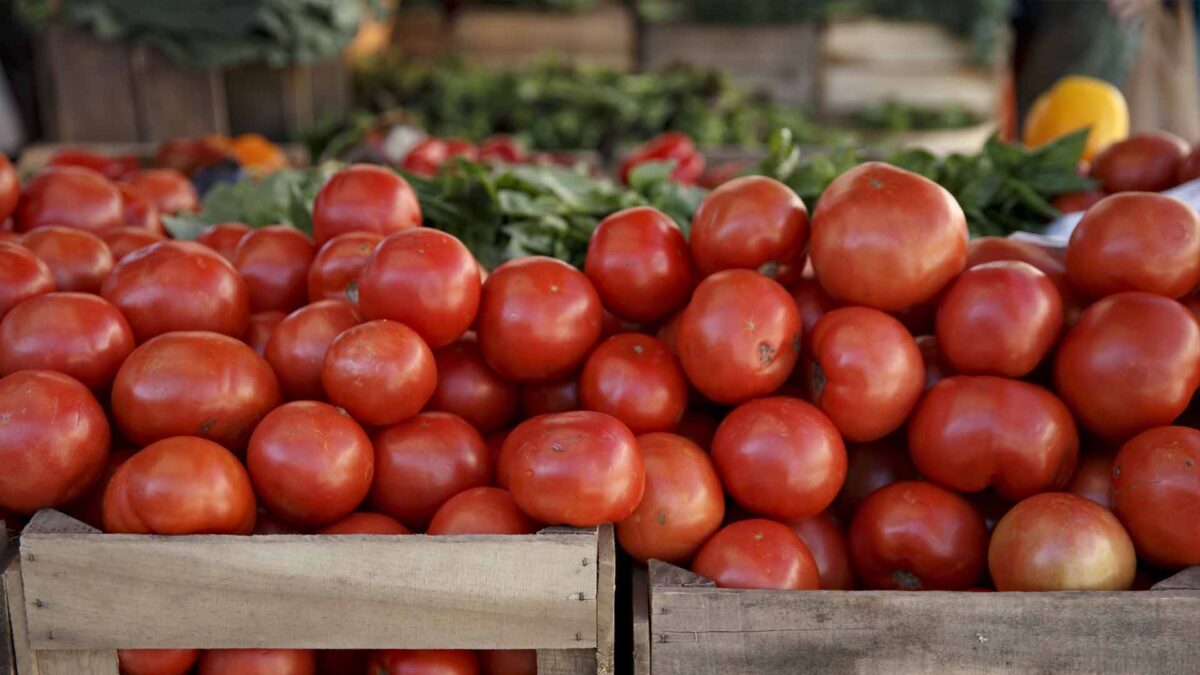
[699, 427]
[169, 190]
[138, 212]
[260, 329]
[865, 373]
[364, 522]
[813, 303]
[178, 286]
[364, 198]
[55, 440]
[481, 510]
[157, 661]
[469, 388]
[538, 319]
[180, 485]
[575, 468]
[914, 536]
[870, 466]
[689, 163]
[886, 238]
[333, 274]
[79, 335]
[974, 432]
[1156, 494]
[754, 223]
[1077, 201]
[424, 461]
[90, 507]
[1189, 169]
[274, 262]
[508, 662]
[122, 241]
[336, 661]
[1148, 161]
[1093, 478]
[992, 249]
[191, 154]
[193, 384]
[79, 260]
[936, 368]
[22, 275]
[780, 457]
[502, 148]
[69, 196]
[640, 264]
[636, 379]
[425, 279]
[224, 238]
[422, 662]
[258, 662]
[297, 347]
[111, 167]
[266, 522]
[549, 397]
[381, 372]
[10, 188]
[1060, 542]
[1131, 364]
[682, 506]
[826, 541]
[739, 336]
[757, 553]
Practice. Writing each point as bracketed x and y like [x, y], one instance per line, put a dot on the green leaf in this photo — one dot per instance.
[646, 174]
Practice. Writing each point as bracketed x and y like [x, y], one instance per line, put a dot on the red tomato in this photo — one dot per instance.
[366, 523]
[689, 163]
[1060, 542]
[381, 372]
[502, 148]
[364, 198]
[826, 541]
[549, 397]
[425, 279]
[1147, 161]
[193, 384]
[1189, 169]
[698, 427]
[422, 662]
[865, 373]
[180, 485]
[739, 336]
[870, 466]
[481, 510]
[538, 319]
[79, 335]
[1131, 364]
[682, 506]
[10, 188]
[886, 238]
[426, 157]
[157, 661]
[936, 368]
[90, 507]
[915, 536]
[169, 190]
[69, 196]
[266, 522]
[1078, 201]
[122, 241]
[974, 432]
[190, 154]
[111, 167]
[469, 388]
[754, 223]
[636, 379]
[1093, 478]
[813, 303]
[757, 553]
[79, 260]
[297, 347]
[334, 273]
[139, 212]
[274, 262]
[262, 326]
[422, 462]
[780, 457]
[224, 238]
[55, 440]
[508, 662]
[1156, 494]
[338, 661]
[575, 468]
[640, 264]
[258, 662]
[22, 276]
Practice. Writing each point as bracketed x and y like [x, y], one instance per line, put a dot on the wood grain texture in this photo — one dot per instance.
[566, 661]
[71, 662]
[85, 87]
[173, 100]
[501, 37]
[8, 663]
[640, 588]
[606, 596]
[23, 661]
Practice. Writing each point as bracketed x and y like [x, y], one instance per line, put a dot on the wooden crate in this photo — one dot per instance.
[506, 37]
[686, 625]
[77, 595]
[8, 664]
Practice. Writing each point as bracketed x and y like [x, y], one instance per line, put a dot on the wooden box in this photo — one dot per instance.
[77, 595]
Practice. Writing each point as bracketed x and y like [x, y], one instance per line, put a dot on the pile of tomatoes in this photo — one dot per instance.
[1150, 161]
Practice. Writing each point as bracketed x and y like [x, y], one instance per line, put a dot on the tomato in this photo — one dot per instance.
[366, 523]
[266, 522]
[469, 388]
[22, 275]
[538, 319]
[640, 264]
[1131, 364]
[914, 536]
[575, 468]
[364, 198]
[425, 279]
[635, 378]
[679, 147]
[422, 662]
[999, 318]
[682, 506]
[122, 241]
[757, 553]
[426, 157]
[258, 662]
[381, 372]
[1060, 542]
[274, 262]
[69, 196]
[936, 368]
[481, 510]
[138, 212]
[90, 507]
[193, 384]
[10, 188]
[169, 190]
[699, 427]
[870, 466]
[1147, 161]
[1077, 201]
[993, 249]
[502, 148]
[157, 661]
[55, 441]
[111, 167]
[886, 238]
[1156, 494]
[780, 457]
[190, 154]
[813, 303]
[261, 328]
[1189, 169]
[826, 541]
[297, 347]
[422, 462]
[739, 336]
[508, 662]
[865, 373]
[1093, 478]
[338, 661]
[333, 274]
[974, 432]
[80, 335]
[79, 260]
[549, 397]
[754, 223]
[224, 238]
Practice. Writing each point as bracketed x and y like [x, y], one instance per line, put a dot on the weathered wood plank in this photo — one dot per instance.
[173, 100]
[8, 664]
[72, 662]
[640, 588]
[566, 661]
[606, 595]
[502, 37]
[23, 661]
[86, 85]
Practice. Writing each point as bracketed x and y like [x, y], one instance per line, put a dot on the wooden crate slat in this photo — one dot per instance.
[601, 660]
[500, 37]
[8, 663]
[23, 662]
[79, 104]
[173, 100]
[640, 587]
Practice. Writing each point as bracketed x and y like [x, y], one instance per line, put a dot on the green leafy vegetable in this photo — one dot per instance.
[282, 198]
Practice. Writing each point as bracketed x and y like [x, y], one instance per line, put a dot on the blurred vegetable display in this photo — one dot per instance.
[281, 198]
[896, 117]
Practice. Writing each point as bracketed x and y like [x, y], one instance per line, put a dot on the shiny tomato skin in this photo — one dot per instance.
[974, 432]
[813, 303]
[1147, 162]
[870, 466]
[73, 333]
[538, 319]
[193, 384]
[739, 337]
[122, 241]
[545, 398]
[422, 462]
[481, 510]
[180, 485]
[22, 276]
[258, 332]
[90, 507]
[636, 379]
[1093, 478]
[865, 372]
[333, 274]
[258, 662]
[682, 506]
[780, 458]
[672, 145]
[157, 661]
[79, 260]
[936, 368]
[298, 344]
[640, 264]
[364, 198]
[992, 249]
[1132, 363]
[757, 554]
[508, 661]
[503, 148]
[425, 279]
[1077, 201]
[169, 190]
[363, 522]
[915, 536]
[110, 167]
[1156, 494]
[468, 387]
[754, 223]
[575, 468]
[1060, 542]
[224, 238]
[381, 372]
[826, 540]
[1189, 168]
[422, 662]
[10, 188]
[274, 262]
[69, 196]
[138, 212]
[699, 427]
[55, 441]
